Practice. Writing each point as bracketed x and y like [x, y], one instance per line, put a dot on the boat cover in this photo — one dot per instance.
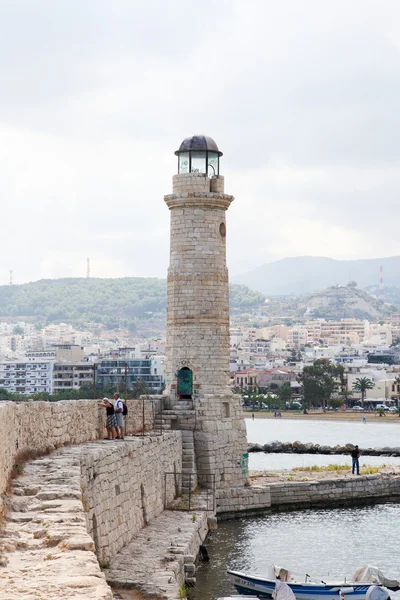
[377, 593]
[283, 574]
[283, 592]
[371, 574]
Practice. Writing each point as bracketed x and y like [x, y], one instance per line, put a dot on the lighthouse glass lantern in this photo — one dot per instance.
[198, 154]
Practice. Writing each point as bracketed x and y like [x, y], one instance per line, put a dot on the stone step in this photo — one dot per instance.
[187, 464]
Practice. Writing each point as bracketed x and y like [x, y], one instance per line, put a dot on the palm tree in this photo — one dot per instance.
[362, 384]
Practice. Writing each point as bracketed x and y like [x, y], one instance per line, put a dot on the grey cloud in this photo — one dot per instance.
[302, 98]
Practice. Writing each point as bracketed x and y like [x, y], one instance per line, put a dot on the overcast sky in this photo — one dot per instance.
[302, 97]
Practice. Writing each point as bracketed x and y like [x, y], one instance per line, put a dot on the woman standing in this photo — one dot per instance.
[111, 421]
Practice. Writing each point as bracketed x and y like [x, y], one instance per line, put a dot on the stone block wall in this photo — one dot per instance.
[198, 291]
[123, 487]
[190, 182]
[220, 440]
[217, 184]
[243, 501]
[334, 492]
[42, 426]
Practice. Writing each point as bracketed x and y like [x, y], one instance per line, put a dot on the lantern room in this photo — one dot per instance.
[198, 154]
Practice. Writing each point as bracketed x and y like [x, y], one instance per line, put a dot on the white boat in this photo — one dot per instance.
[306, 587]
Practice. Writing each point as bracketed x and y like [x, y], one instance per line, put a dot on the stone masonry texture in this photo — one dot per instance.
[46, 552]
[198, 326]
[42, 426]
[334, 492]
[123, 487]
[77, 502]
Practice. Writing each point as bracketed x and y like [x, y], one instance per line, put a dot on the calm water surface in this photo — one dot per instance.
[320, 542]
[369, 435]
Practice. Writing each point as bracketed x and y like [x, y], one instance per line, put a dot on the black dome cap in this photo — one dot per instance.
[198, 143]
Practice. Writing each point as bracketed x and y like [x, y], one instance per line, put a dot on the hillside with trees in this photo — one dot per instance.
[339, 302]
[110, 302]
[333, 303]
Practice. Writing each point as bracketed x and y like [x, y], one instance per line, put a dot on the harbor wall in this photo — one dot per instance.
[335, 492]
[243, 501]
[124, 487]
[28, 428]
[103, 492]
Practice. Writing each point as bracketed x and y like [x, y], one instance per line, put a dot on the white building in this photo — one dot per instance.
[297, 336]
[24, 377]
[72, 375]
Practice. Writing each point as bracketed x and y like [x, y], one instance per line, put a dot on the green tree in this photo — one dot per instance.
[362, 384]
[285, 392]
[139, 388]
[319, 381]
[336, 402]
[18, 330]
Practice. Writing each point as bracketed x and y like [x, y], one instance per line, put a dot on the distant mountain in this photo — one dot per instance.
[306, 274]
[340, 303]
[110, 302]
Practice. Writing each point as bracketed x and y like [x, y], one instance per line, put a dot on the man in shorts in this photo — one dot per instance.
[118, 410]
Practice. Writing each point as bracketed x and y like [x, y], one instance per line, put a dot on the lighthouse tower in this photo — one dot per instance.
[197, 353]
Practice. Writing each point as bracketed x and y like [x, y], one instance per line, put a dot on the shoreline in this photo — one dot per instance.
[327, 416]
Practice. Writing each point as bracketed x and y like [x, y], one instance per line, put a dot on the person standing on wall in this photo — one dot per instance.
[111, 422]
[355, 455]
[119, 409]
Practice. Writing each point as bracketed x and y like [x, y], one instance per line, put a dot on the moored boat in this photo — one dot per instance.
[306, 587]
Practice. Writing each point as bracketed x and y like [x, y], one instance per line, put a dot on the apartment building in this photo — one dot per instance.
[128, 372]
[297, 336]
[345, 331]
[255, 346]
[24, 377]
[72, 375]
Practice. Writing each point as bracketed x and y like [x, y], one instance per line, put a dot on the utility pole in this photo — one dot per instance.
[11, 277]
[381, 295]
[126, 379]
[94, 381]
[87, 268]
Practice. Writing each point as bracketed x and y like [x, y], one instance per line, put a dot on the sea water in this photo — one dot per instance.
[329, 542]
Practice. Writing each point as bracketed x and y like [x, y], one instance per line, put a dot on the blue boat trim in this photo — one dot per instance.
[263, 588]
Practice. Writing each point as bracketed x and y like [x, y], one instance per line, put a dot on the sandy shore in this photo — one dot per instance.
[327, 416]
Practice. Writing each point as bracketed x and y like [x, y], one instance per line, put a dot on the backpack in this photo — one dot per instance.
[124, 409]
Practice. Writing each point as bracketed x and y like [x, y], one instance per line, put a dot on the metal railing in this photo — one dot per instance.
[181, 492]
[148, 420]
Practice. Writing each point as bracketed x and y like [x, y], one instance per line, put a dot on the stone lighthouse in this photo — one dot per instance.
[197, 354]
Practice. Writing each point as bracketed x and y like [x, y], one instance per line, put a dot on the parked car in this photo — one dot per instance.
[383, 407]
[360, 408]
[392, 409]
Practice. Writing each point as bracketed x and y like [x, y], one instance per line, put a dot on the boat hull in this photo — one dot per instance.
[263, 588]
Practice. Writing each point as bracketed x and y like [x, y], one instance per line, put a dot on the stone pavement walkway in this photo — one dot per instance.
[152, 563]
[45, 550]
